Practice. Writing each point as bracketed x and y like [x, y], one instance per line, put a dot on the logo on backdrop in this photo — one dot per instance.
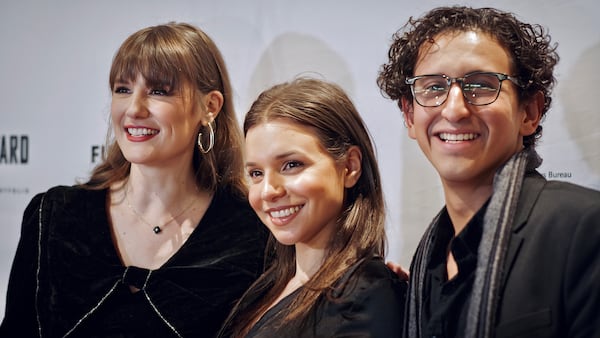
[14, 149]
[557, 175]
[97, 153]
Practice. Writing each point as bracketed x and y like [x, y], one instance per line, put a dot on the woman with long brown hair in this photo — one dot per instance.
[315, 183]
[161, 241]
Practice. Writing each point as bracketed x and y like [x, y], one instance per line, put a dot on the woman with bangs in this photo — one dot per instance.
[160, 241]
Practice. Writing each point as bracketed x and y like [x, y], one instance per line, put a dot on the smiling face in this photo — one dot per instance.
[152, 125]
[465, 143]
[296, 187]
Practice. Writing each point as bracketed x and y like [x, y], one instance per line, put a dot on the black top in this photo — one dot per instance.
[67, 278]
[550, 274]
[369, 303]
[447, 304]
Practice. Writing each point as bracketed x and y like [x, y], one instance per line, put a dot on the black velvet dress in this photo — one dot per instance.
[67, 278]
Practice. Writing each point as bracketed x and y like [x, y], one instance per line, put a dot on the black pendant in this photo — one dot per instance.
[156, 230]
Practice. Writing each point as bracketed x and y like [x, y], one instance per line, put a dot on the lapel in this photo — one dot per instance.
[533, 183]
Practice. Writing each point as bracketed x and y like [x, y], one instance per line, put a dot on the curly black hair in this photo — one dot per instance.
[533, 54]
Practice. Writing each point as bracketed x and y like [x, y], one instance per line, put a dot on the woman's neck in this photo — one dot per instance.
[308, 261]
[146, 185]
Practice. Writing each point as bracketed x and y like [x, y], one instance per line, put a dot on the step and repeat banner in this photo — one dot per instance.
[54, 96]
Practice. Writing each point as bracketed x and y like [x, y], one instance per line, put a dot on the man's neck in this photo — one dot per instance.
[463, 202]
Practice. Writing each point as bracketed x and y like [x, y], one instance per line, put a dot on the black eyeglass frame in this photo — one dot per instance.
[450, 80]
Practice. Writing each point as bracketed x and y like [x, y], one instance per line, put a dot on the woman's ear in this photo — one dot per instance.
[353, 166]
[408, 116]
[532, 114]
[213, 101]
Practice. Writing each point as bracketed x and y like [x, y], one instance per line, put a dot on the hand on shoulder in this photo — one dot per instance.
[398, 269]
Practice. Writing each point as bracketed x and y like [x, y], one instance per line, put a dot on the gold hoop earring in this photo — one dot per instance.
[211, 138]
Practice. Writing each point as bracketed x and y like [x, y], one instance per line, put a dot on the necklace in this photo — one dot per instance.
[156, 228]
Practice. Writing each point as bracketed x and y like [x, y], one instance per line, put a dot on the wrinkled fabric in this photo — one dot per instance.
[370, 303]
[491, 253]
[67, 278]
[552, 267]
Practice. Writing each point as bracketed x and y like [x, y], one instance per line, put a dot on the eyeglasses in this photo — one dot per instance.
[478, 88]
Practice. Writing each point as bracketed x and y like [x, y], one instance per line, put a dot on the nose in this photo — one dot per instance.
[137, 107]
[455, 108]
[272, 188]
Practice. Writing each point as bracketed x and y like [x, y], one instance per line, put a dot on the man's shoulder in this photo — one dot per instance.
[572, 190]
[559, 196]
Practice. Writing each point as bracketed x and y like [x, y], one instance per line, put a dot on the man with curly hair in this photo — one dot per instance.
[510, 254]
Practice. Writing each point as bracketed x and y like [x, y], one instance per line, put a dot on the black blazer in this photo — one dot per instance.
[552, 270]
[370, 304]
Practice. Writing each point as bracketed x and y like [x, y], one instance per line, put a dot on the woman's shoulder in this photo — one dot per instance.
[70, 193]
[368, 276]
[370, 298]
[370, 270]
[232, 203]
[375, 269]
[61, 202]
[63, 195]
[68, 203]
[235, 210]
[230, 215]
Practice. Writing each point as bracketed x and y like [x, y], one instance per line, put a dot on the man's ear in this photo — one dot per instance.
[408, 116]
[213, 101]
[352, 166]
[532, 114]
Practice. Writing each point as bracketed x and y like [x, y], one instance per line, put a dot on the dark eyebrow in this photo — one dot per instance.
[278, 157]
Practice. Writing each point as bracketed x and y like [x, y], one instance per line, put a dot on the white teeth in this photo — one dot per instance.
[141, 131]
[457, 137]
[284, 212]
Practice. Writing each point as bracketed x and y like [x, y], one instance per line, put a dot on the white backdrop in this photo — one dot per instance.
[54, 96]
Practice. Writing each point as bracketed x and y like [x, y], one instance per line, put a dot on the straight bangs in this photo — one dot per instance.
[155, 57]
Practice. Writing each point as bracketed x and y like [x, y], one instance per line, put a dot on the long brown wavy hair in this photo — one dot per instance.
[180, 56]
[360, 233]
[533, 55]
